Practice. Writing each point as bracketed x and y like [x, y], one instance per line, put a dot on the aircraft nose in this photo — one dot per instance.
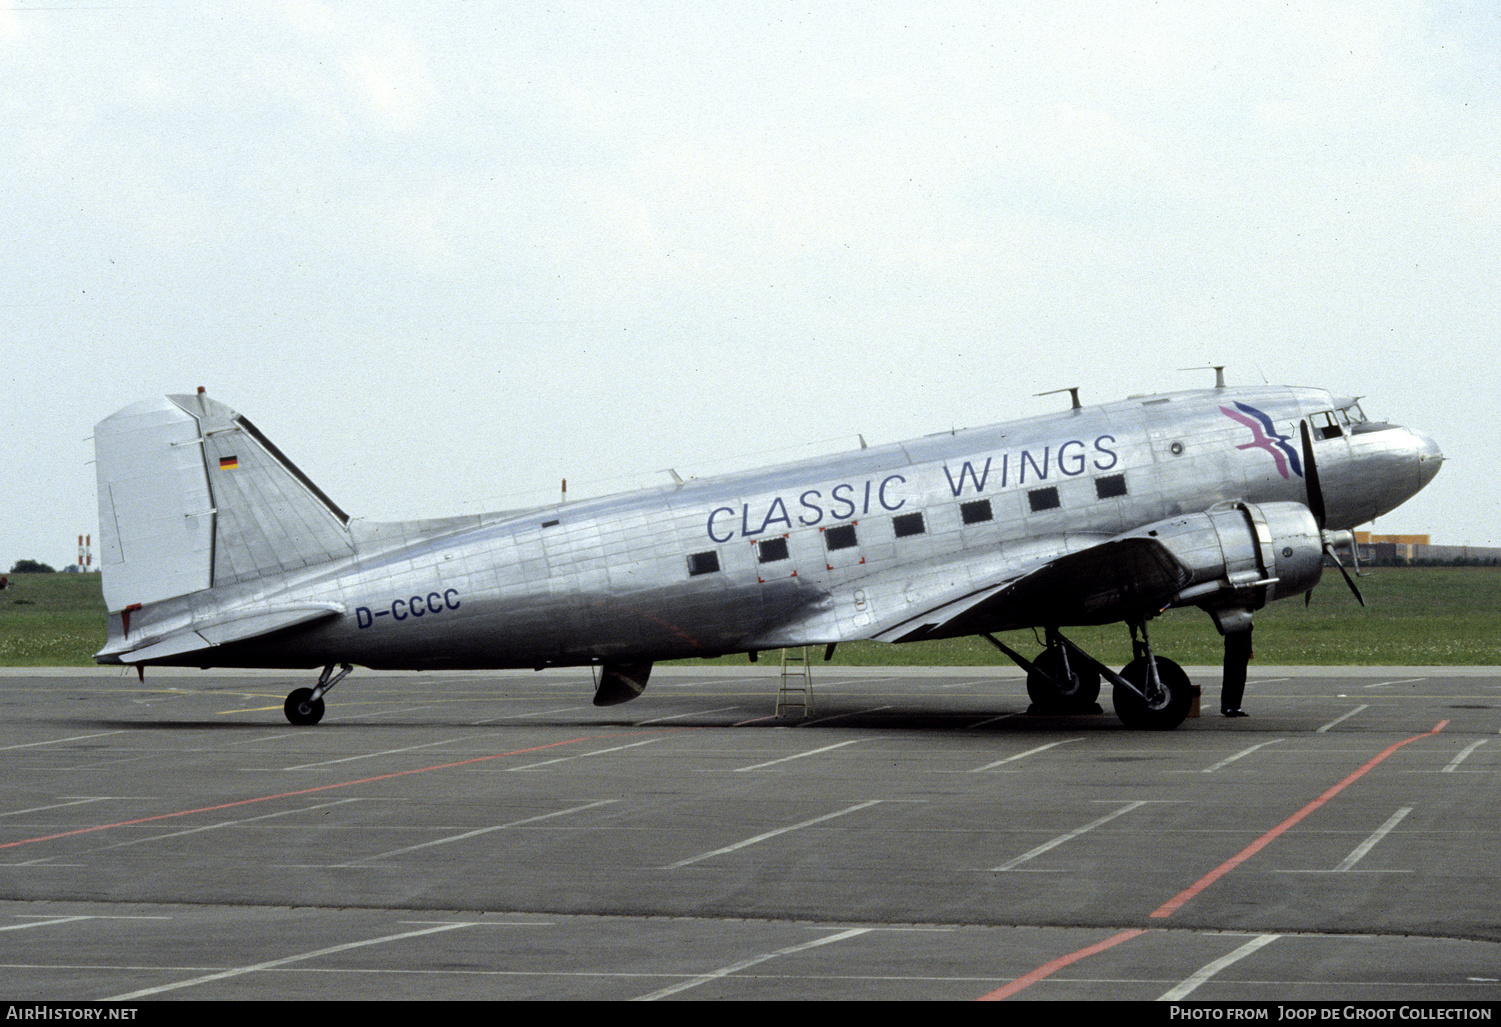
[1429, 457]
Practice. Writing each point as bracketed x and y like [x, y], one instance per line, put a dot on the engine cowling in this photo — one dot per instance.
[1244, 555]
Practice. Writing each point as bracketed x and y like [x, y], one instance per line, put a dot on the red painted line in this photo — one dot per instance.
[1171, 906]
[286, 795]
[1048, 969]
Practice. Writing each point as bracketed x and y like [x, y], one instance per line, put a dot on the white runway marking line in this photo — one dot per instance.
[845, 716]
[271, 963]
[1021, 755]
[1337, 720]
[1050, 845]
[581, 755]
[224, 823]
[680, 716]
[58, 741]
[1208, 970]
[852, 681]
[1243, 753]
[277, 737]
[1366, 846]
[55, 920]
[371, 755]
[524, 716]
[991, 720]
[1403, 681]
[772, 834]
[1456, 761]
[56, 805]
[45, 923]
[1363, 849]
[479, 831]
[800, 755]
[426, 708]
[745, 964]
[481, 923]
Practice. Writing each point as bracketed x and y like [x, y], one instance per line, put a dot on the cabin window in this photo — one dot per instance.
[772, 549]
[1043, 499]
[703, 563]
[1110, 486]
[976, 511]
[842, 537]
[549, 524]
[908, 524]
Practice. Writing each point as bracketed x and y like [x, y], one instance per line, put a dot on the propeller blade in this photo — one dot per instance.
[1329, 548]
[1311, 478]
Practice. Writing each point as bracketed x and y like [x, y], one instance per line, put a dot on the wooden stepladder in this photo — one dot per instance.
[796, 688]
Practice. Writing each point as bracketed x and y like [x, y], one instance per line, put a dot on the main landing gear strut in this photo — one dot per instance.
[1150, 692]
[305, 705]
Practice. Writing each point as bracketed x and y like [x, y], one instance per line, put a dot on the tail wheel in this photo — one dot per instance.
[1072, 692]
[1167, 710]
[301, 708]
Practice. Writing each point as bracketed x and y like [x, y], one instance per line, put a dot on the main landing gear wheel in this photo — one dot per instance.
[1070, 686]
[301, 708]
[1171, 704]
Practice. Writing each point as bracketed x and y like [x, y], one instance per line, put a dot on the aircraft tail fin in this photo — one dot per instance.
[192, 496]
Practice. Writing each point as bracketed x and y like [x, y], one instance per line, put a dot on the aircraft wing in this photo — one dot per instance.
[1098, 585]
[1067, 580]
[216, 631]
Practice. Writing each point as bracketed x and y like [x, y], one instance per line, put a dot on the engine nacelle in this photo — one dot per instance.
[1244, 555]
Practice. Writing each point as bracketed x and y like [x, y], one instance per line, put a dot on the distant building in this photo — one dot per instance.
[1376, 549]
[1389, 548]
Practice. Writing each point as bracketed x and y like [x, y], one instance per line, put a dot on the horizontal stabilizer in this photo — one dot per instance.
[216, 631]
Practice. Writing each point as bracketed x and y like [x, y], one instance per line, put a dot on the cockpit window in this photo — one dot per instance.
[1326, 425]
[1354, 413]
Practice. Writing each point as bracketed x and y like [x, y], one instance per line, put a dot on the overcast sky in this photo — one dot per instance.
[446, 253]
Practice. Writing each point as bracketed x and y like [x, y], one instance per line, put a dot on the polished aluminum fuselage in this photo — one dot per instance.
[624, 578]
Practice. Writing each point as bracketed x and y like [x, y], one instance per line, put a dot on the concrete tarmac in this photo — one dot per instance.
[919, 836]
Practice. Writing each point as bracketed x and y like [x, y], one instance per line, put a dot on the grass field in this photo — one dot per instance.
[1419, 616]
[51, 620]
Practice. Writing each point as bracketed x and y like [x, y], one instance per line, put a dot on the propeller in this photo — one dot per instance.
[1236, 625]
[1320, 517]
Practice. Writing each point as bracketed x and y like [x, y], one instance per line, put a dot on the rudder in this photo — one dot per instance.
[192, 496]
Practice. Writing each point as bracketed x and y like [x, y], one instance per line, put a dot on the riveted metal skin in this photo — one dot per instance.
[219, 552]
